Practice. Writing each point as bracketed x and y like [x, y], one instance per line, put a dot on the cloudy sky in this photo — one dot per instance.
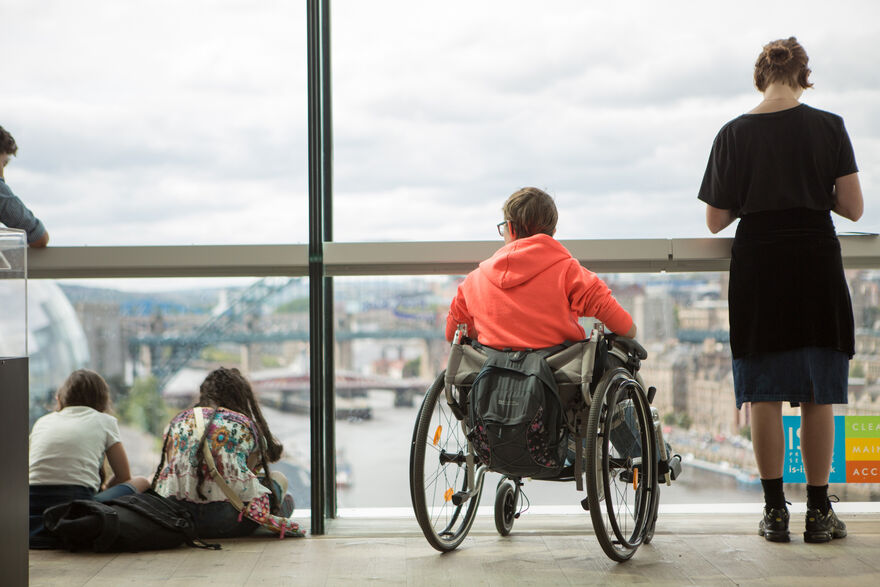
[176, 122]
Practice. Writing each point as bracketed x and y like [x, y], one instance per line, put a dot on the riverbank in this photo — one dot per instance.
[376, 452]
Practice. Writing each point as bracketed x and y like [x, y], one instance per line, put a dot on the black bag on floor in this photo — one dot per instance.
[130, 523]
[516, 417]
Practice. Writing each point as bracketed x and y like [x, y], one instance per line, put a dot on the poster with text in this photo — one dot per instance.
[856, 457]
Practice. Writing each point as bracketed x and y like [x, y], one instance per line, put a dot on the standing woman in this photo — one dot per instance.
[782, 169]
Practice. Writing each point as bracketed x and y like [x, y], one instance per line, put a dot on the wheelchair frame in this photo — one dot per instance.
[600, 371]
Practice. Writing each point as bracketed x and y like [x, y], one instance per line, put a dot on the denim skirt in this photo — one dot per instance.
[809, 374]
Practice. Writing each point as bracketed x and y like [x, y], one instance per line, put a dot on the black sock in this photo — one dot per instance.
[817, 498]
[773, 495]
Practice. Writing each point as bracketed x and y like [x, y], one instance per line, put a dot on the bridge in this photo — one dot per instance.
[196, 340]
[290, 392]
[236, 324]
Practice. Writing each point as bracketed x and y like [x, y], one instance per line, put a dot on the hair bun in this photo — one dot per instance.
[779, 55]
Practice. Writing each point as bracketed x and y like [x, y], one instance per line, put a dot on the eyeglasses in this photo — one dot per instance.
[501, 225]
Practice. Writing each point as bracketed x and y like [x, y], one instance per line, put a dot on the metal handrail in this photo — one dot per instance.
[393, 258]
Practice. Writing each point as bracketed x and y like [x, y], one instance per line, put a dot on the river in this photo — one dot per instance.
[376, 452]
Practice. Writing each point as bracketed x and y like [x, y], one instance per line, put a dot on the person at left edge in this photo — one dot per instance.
[13, 212]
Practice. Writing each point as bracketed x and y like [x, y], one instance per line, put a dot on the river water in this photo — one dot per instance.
[376, 453]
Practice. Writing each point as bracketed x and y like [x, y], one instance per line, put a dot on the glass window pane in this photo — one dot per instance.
[155, 340]
[390, 345]
[173, 123]
[442, 111]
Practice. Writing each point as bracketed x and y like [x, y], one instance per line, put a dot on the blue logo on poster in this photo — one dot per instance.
[794, 464]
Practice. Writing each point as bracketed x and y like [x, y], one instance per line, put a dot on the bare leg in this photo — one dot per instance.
[817, 441]
[768, 438]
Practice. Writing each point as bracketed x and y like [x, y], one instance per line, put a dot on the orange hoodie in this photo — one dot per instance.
[529, 295]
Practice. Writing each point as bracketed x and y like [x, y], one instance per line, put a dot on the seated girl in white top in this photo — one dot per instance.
[67, 450]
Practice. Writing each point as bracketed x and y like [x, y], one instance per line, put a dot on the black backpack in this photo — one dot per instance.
[516, 420]
[130, 523]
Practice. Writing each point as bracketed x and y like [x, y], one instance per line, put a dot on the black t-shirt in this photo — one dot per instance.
[777, 161]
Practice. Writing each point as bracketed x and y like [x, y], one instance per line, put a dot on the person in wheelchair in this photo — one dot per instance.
[528, 395]
[531, 292]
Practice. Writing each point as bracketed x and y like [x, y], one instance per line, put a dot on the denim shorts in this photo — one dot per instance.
[810, 374]
[42, 497]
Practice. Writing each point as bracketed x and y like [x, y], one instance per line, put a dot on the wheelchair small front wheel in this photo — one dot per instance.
[438, 473]
[505, 507]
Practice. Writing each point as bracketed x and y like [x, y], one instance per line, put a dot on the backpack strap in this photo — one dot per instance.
[233, 497]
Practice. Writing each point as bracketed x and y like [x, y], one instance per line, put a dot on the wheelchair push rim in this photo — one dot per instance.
[438, 471]
[621, 483]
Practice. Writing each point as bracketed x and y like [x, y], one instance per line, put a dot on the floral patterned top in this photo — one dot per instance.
[232, 438]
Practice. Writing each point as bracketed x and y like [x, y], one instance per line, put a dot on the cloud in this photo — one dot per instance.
[184, 122]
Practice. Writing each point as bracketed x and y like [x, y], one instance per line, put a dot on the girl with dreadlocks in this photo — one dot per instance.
[239, 440]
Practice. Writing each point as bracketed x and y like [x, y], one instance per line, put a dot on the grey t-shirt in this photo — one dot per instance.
[778, 161]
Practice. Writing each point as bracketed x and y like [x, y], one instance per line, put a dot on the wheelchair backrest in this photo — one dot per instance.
[572, 366]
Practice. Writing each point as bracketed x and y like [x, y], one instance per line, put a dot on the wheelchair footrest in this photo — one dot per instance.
[672, 466]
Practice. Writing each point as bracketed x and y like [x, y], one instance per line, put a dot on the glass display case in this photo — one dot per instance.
[13, 296]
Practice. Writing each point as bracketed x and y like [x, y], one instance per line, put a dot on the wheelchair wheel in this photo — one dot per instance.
[438, 471]
[621, 484]
[505, 507]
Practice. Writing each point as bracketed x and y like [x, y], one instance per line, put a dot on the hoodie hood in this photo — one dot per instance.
[517, 262]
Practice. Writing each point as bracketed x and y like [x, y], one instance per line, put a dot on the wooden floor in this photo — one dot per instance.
[688, 549]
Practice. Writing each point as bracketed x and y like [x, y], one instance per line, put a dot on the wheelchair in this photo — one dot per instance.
[610, 427]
